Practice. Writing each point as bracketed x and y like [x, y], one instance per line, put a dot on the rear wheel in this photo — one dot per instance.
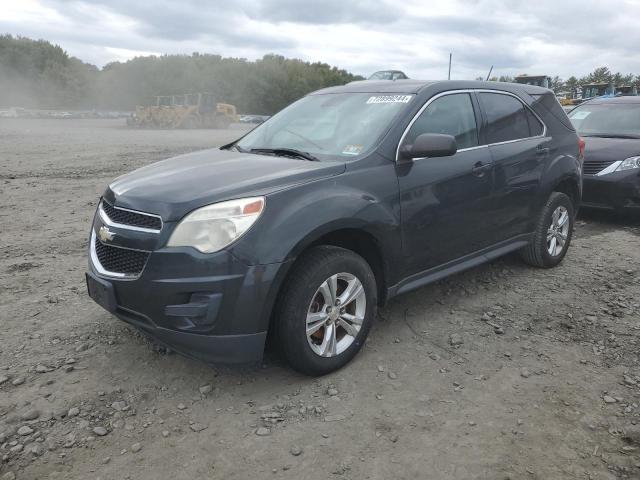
[552, 236]
[325, 310]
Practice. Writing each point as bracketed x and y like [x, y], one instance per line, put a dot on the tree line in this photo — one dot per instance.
[38, 74]
[573, 84]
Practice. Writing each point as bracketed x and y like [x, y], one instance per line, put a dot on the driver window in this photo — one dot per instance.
[451, 115]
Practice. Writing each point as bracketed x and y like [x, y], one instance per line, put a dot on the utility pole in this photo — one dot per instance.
[449, 76]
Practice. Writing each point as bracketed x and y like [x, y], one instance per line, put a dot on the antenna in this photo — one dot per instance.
[489, 74]
[449, 76]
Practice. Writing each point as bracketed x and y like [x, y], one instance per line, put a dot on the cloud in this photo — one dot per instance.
[516, 36]
[326, 12]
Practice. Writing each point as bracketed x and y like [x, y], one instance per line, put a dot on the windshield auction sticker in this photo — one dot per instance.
[390, 99]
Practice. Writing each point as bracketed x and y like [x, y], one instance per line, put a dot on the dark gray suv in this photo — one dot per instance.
[346, 198]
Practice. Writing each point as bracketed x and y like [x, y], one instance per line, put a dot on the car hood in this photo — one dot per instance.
[599, 149]
[172, 188]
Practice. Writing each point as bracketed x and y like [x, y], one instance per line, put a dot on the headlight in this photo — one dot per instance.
[629, 163]
[211, 228]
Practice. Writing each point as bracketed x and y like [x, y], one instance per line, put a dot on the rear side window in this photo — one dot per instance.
[451, 115]
[535, 126]
[508, 118]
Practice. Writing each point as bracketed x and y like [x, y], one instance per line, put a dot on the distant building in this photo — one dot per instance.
[627, 90]
[600, 89]
[537, 80]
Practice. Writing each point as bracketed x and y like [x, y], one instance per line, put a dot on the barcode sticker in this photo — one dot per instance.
[390, 99]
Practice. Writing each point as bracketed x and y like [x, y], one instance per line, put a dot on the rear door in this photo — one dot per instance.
[519, 148]
[445, 201]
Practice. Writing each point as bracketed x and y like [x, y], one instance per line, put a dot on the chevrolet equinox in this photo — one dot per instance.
[344, 199]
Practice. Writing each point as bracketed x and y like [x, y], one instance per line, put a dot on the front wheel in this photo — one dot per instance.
[552, 236]
[325, 310]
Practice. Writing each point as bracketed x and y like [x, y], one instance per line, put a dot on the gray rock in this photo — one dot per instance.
[136, 447]
[205, 389]
[295, 450]
[498, 330]
[608, 399]
[73, 412]
[181, 406]
[392, 375]
[9, 476]
[197, 427]
[632, 434]
[334, 418]
[263, 432]
[37, 450]
[331, 391]
[165, 433]
[42, 368]
[25, 430]
[455, 340]
[30, 414]
[17, 381]
[106, 460]
[524, 373]
[3, 379]
[17, 448]
[100, 431]
[119, 406]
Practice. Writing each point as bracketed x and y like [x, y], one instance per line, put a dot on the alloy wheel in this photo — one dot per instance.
[558, 231]
[336, 314]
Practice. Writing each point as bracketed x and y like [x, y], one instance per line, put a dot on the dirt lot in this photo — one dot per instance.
[542, 382]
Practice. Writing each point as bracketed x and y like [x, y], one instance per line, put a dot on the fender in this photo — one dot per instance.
[559, 169]
[290, 227]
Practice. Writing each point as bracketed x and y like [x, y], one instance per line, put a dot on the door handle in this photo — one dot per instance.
[543, 151]
[480, 168]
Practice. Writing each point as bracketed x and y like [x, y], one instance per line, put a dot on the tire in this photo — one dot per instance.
[537, 253]
[302, 303]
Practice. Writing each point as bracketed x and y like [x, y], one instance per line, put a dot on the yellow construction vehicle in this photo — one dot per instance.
[191, 110]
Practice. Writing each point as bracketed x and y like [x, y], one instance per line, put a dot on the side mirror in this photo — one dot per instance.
[430, 145]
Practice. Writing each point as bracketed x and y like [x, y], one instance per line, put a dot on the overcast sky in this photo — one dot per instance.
[416, 36]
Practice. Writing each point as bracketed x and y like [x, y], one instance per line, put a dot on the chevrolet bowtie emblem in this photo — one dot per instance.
[105, 235]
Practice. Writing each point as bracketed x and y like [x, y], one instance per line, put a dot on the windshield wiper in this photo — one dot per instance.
[613, 135]
[286, 152]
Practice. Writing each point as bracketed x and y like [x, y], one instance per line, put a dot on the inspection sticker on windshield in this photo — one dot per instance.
[352, 150]
[390, 99]
[580, 115]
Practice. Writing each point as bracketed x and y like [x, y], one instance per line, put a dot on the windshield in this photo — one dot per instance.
[608, 120]
[339, 124]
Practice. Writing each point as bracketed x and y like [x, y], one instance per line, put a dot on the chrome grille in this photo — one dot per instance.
[123, 216]
[119, 261]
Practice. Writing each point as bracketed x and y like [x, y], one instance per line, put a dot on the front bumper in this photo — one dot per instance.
[617, 190]
[213, 307]
[242, 348]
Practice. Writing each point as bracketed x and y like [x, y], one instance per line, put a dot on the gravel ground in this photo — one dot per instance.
[503, 371]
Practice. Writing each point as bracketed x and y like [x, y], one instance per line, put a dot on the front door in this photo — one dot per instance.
[445, 201]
